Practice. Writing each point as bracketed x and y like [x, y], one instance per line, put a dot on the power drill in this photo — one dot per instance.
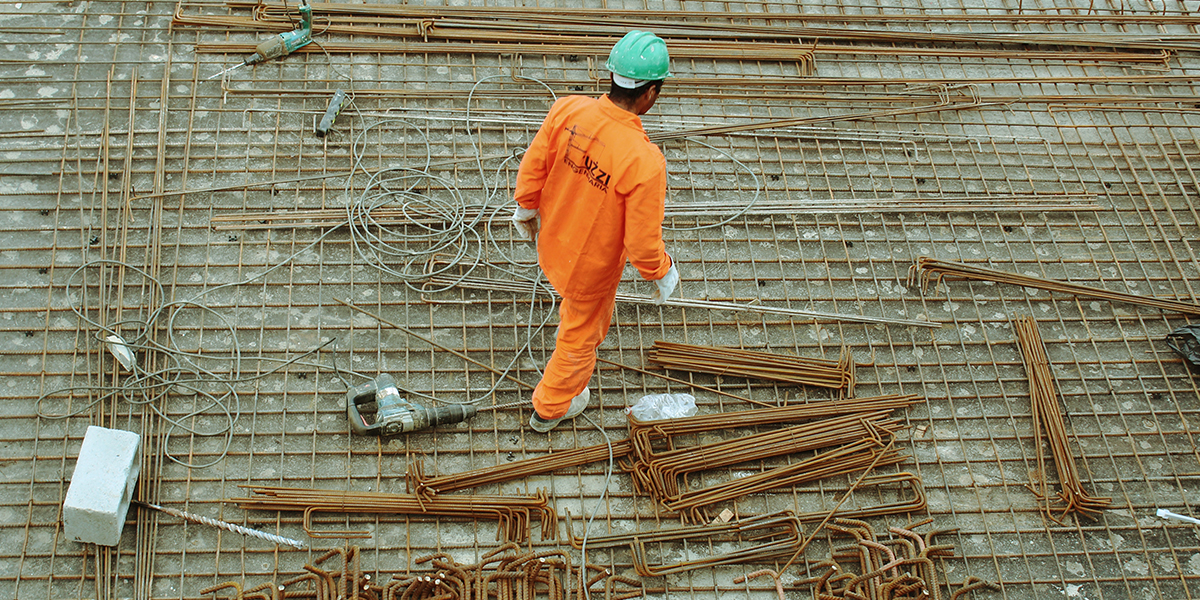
[282, 44]
[384, 412]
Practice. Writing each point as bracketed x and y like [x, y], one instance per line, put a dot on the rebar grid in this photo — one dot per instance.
[110, 115]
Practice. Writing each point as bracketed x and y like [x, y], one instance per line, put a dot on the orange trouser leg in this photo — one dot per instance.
[582, 326]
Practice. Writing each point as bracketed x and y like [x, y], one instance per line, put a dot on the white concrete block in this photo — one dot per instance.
[102, 486]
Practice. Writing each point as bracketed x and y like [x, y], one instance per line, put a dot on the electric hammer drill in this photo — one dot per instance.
[384, 412]
[282, 44]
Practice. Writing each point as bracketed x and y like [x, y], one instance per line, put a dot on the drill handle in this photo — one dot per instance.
[360, 394]
[306, 16]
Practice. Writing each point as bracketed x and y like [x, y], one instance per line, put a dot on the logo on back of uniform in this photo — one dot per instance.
[580, 160]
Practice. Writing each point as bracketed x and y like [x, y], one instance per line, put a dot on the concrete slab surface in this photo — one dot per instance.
[204, 222]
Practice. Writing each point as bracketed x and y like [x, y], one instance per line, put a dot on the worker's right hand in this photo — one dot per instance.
[666, 285]
[526, 221]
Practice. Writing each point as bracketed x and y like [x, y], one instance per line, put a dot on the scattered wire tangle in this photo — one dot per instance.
[161, 365]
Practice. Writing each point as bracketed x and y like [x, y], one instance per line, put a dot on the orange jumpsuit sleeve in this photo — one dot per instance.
[644, 208]
[531, 176]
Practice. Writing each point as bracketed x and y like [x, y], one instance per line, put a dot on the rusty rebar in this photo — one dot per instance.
[765, 537]
[853, 430]
[906, 572]
[646, 434]
[513, 513]
[660, 475]
[839, 461]
[689, 39]
[932, 270]
[428, 487]
[1047, 414]
[506, 573]
[773, 575]
[754, 364]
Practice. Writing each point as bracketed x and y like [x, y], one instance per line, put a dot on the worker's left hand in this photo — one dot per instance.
[666, 285]
[526, 221]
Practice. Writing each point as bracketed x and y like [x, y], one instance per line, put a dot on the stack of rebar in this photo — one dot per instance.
[767, 537]
[840, 437]
[645, 435]
[660, 476]
[506, 572]
[819, 372]
[688, 32]
[514, 513]
[510, 573]
[841, 460]
[428, 487]
[900, 566]
[1048, 415]
[425, 32]
[932, 270]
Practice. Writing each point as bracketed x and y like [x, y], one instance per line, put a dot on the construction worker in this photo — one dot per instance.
[591, 189]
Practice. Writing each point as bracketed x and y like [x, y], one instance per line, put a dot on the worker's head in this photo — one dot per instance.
[638, 100]
[639, 63]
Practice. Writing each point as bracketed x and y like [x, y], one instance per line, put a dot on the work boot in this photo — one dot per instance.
[578, 404]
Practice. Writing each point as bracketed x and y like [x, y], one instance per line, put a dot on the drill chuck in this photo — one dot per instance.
[445, 415]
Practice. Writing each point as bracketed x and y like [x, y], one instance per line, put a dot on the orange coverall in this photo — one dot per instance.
[599, 185]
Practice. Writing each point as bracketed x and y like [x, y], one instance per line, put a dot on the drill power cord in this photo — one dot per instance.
[587, 529]
[183, 374]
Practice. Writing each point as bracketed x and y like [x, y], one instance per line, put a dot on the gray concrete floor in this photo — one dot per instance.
[131, 184]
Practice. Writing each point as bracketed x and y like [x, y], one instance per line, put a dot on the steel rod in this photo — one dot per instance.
[681, 381]
[523, 288]
[428, 487]
[932, 270]
[819, 372]
[1048, 416]
[436, 345]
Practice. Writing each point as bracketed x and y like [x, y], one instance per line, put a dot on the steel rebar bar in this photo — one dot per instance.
[931, 270]
[752, 364]
[513, 513]
[428, 487]
[480, 283]
[1047, 414]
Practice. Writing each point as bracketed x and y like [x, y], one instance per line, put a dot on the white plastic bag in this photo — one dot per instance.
[657, 407]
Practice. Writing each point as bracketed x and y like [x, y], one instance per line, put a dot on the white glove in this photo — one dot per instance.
[526, 221]
[666, 285]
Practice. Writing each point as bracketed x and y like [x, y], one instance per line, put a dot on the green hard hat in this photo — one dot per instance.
[640, 55]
